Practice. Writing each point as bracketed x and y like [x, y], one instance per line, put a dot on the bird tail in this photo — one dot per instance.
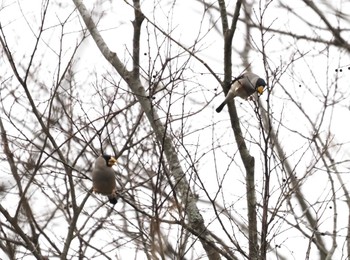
[113, 198]
[221, 107]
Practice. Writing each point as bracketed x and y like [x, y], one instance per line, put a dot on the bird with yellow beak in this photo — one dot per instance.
[244, 86]
[103, 177]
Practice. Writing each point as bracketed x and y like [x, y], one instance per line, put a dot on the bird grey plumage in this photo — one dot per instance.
[103, 177]
[243, 87]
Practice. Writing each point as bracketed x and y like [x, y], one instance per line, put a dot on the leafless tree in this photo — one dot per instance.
[267, 179]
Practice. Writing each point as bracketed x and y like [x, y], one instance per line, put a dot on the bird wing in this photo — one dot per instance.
[248, 83]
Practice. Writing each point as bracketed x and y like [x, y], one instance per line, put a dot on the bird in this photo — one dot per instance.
[244, 86]
[103, 177]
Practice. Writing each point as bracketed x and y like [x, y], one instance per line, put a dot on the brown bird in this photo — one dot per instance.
[103, 177]
[243, 87]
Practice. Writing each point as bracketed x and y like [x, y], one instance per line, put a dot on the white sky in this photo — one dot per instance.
[311, 71]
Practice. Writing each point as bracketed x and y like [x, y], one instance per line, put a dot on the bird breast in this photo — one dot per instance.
[104, 181]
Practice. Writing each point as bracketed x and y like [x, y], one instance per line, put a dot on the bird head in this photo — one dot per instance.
[260, 85]
[110, 160]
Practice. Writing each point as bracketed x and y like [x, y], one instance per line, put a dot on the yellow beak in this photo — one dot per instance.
[112, 161]
[260, 89]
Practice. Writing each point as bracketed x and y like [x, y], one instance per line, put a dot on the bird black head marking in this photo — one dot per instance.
[260, 85]
[110, 160]
[260, 82]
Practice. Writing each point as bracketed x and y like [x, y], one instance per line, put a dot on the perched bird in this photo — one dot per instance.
[103, 178]
[244, 86]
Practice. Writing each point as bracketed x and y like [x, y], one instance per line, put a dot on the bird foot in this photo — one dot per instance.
[95, 190]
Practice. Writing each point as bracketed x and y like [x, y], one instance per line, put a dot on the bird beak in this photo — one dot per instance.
[260, 89]
[112, 161]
